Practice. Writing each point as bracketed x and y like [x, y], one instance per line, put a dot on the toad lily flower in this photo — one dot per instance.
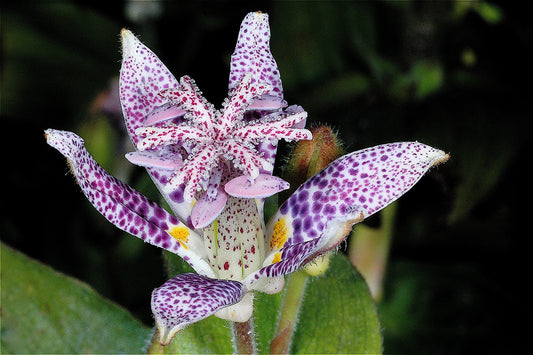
[214, 168]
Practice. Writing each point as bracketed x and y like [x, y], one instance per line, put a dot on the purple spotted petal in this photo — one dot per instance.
[189, 298]
[262, 187]
[322, 211]
[361, 182]
[289, 259]
[252, 55]
[126, 208]
[142, 77]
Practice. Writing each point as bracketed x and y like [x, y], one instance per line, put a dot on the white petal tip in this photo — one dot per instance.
[128, 42]
[66, 142]
[166, 335]
[259, 16]
[440, 157]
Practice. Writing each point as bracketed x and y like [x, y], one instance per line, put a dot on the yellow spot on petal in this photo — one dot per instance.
[181, 234]
[280, 235]
[277, 258]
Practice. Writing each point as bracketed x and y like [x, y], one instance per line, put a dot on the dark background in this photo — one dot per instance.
[452, 74]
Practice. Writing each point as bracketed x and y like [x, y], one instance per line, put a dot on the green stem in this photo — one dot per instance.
[244, 337]
[155, 347]
[296, 284]
[370, 247]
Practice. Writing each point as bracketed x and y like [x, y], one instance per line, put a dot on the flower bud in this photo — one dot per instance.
[311, 156]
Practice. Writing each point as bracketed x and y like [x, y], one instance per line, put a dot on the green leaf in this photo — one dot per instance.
[338, 314]
[44, 311]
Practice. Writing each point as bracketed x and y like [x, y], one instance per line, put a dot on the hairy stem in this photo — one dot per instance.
[296, 284]
[154, 347]
[370, 247]
[243, 337]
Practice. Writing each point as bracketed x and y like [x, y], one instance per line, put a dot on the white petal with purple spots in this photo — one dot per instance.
[126, 208]
[189, 298]
[252, 55]
[142, 76]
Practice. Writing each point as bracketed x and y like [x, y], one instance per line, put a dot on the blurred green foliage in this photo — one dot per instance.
[454, 74]
[46, 312]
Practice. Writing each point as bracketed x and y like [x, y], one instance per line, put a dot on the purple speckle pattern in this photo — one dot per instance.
[252, 55]
[292, 258]
[220, 137]
[142, 77]
[361, 182]
[188, 298]
[150, 95]
[321, 212]
[120, 204]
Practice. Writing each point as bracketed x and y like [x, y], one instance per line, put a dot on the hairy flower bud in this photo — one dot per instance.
[311, 156]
